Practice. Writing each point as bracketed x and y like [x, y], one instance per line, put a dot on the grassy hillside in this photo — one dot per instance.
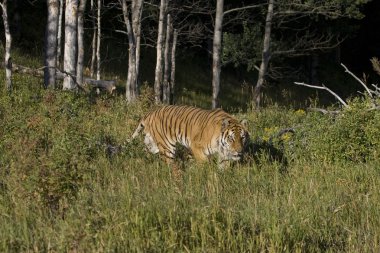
[69, 181]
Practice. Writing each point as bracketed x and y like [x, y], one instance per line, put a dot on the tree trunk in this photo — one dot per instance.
[160, 39]
[81, 9]
[172, 74]
[59, 36]
[217, 48]
[265, 56]
[51, 43]
[137, 6]
[99, 35]
[8, 44]
[93, 43]
[133, 32]
[166, 82]
[131, 77]
[69, 61]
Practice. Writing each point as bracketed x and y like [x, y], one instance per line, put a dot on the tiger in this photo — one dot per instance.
[203, 132]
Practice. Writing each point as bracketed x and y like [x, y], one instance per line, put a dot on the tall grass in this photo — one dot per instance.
[70, 181]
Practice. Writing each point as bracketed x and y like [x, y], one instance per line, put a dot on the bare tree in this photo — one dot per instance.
[167, 59]
[81, 9]
[99, 36]
[159, 59]
[133, 32]
[93, 43]
[173, 61]
[59, 36]
[137, 6]
[265, 56]
[8, 44]
[69, 61]
[217, 48]
[51, 43]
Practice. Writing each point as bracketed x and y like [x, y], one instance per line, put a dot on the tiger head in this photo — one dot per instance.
[234, 139]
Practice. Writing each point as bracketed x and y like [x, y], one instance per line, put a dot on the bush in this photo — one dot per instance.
[352, 135]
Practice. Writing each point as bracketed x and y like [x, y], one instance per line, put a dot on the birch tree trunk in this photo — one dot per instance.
[93, 43]
[51, 43]
[160, 39]
[265, 56]
[59, 36]
[172, 74]
[133, 31]
[99, 34]
[131, 77]
[69, 58]
[137, 7]
[81, 9]
[8, 44]
[217, 48]
[167, 58]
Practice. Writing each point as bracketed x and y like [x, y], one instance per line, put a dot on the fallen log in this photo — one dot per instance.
[108, 85]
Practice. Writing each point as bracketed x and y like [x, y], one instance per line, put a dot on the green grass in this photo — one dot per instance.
[63, 188]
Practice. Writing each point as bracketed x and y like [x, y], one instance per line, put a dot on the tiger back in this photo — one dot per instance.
[203, 132]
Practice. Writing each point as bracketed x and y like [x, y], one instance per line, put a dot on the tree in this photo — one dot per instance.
[167, 61]
[59, 36]
[173, 62]
[133, 32]
[8, 44]
[265, 55]
[81, 9]
[93, 43]
[51, 43]
[216, 55]
[298, 29]
[98, 40]
[70, 50]
[159, 58]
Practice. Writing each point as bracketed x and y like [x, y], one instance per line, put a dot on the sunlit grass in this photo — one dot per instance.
[63, 187]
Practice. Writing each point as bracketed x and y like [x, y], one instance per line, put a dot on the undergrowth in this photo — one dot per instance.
[71, 181]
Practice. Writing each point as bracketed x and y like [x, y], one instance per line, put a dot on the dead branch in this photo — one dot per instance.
[108, 85]
[359, 80]
[323, 111]
[324, 88]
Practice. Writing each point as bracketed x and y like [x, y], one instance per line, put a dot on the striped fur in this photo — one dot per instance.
[203, 132]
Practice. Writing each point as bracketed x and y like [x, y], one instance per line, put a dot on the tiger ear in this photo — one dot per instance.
[244, 123]
[225, 124]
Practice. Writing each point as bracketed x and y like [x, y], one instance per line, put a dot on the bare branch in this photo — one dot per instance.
[243, 8]
[324, 88]
[323, 111]
[358, 79]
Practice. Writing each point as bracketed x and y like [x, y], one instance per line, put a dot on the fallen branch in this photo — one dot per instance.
[108, 85]
[324, 88]
[323, 111]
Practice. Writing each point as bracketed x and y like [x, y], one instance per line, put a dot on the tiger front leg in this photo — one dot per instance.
[223, 163]
[198, 154]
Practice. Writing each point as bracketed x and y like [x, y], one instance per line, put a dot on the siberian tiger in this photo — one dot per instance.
[203, 132]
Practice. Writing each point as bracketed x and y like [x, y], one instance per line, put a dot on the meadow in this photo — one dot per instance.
[70, 181]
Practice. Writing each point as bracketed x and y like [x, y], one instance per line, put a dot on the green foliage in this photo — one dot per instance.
[350, 136]
[244, 48]
[70, 181]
